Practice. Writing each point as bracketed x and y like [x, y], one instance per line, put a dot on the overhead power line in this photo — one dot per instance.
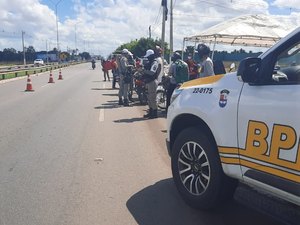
[157, 21]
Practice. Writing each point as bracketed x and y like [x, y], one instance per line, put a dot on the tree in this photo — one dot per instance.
[30, 53]
[10, 51]
[85, 55]
[139, 47]
[9, 55]
[30, 50]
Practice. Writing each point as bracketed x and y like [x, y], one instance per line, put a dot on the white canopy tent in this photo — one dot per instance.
[248, 30]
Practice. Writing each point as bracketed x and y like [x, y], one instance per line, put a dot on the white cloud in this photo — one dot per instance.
[102, 25]
[291, 4]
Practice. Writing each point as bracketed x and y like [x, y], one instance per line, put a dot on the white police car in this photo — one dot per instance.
[242, 126]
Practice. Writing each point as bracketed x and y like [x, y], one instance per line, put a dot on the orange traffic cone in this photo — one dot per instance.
[60, 76]
[29, 84]
[51, 80]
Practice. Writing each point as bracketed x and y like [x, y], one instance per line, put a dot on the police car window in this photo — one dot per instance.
[287, 68]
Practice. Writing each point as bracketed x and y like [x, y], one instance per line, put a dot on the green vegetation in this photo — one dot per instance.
[139, 47]
[12, 56]
[20, 73]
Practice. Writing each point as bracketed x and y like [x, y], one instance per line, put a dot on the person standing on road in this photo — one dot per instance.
[178, 73]
[193, 68]
[114, 71]
[158, 57]
[105, 69]
[131, 62]
[151, 72]
[124, 82]
[207, 66]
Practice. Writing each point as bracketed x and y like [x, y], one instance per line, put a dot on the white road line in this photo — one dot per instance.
[103, 85]
[101, 115]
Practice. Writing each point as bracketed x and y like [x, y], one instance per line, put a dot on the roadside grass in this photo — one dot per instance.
[26, 72]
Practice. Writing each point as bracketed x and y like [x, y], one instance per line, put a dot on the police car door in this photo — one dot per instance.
[269, 124]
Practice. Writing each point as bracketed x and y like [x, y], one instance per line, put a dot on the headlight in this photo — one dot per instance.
[175, 94]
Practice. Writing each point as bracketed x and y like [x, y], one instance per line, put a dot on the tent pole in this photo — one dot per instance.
[213, 51]
[195, 47]
[183, 45]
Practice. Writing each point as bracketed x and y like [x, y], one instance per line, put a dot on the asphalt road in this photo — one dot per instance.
[69, 155]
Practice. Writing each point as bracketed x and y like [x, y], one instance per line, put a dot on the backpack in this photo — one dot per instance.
[182, 71]
[128, 75]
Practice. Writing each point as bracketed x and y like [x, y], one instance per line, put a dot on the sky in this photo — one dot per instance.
[100, 26]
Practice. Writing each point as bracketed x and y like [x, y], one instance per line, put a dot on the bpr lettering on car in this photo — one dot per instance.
[240, 126]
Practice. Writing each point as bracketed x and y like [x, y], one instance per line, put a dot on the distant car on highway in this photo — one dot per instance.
[38, 62]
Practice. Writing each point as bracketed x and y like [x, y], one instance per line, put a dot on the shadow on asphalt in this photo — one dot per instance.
[160, 204]
[137, 119]
[107, 106]
[103, 89]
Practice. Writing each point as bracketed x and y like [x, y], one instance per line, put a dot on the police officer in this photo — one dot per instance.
[124, 83]
[150, 76]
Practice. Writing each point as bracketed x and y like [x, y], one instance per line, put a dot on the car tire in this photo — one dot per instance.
[197, 171]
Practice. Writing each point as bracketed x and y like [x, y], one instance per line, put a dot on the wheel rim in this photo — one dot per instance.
[161, 100]
[193, 168]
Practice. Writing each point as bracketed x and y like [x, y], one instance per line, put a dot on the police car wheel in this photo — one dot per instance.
[197, 170]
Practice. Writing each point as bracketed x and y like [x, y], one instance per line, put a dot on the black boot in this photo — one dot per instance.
[120, 101]
[153, 114]
[126, 102]
[148, 114]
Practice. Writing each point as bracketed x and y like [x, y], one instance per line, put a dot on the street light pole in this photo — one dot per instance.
[57, 38]
[76, 37]
[171, 30]
[24, 56]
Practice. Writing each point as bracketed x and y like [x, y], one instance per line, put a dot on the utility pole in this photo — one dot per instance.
[47, 52]
[150, 31]
[57, 38]
[24, 56]
[164, 5]
[171, 30]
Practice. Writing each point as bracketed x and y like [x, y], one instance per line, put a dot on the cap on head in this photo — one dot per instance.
[149, 52]
[125, 51]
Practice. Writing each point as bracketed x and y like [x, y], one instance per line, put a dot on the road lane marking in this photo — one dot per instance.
[101, 115]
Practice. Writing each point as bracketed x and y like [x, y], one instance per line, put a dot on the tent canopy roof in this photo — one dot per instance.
[249, 30]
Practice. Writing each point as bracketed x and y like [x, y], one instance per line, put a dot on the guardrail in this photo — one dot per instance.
[4, 69]
[19, 71]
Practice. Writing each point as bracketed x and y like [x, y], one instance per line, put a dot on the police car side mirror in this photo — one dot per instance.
[249, 70]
